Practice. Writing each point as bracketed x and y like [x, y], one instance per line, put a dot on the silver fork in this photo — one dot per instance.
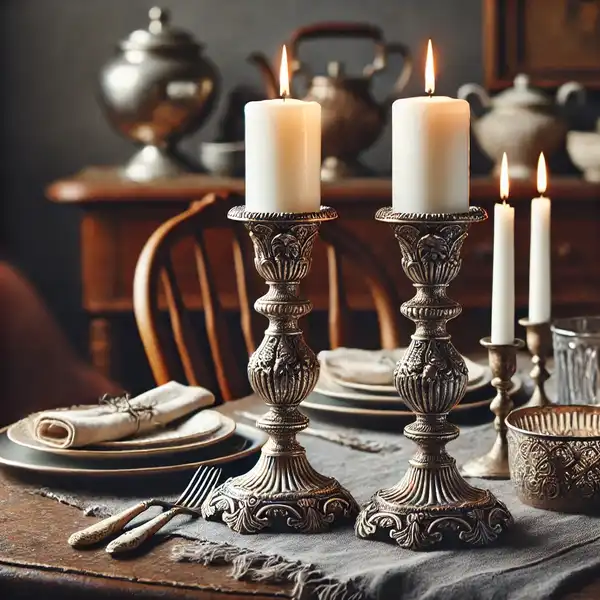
[107, 527]
[189, 503]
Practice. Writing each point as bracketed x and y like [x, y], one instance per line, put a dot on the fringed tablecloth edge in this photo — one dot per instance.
[248, 565]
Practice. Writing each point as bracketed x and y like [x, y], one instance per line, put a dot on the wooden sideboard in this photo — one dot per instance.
[118, 216]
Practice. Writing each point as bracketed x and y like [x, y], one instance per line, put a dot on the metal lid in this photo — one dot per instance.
[160, 34]
[522, 94]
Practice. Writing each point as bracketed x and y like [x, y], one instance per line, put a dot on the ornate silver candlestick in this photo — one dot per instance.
[432, 506]
[282, 492]
[539, 343]
[503, 363]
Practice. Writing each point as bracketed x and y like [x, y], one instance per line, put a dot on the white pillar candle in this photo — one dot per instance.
[283, 153]
[503, 284]
[430, 151]
[539, 252]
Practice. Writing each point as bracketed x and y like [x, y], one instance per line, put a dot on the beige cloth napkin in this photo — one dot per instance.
[374, 367]
[83, 426]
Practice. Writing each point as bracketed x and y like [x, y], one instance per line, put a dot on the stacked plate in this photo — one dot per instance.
[207, 437]
[356, 388]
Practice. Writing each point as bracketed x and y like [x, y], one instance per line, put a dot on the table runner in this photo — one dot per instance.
[543, 556]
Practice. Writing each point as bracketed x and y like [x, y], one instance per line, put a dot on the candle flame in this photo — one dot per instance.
[429, 71]
[504, 182]
[542, 175]
[284, 77]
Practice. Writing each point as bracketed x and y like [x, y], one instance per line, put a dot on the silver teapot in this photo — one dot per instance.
[521, 121]
[158, 88]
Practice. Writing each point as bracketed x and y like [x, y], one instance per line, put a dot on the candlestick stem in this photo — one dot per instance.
[432, 507]
[283, 492]
[539, 344]
[503, 364]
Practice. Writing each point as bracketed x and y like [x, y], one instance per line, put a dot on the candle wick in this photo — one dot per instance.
[283, 96]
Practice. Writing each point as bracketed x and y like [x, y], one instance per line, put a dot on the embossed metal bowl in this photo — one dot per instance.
[554, 457]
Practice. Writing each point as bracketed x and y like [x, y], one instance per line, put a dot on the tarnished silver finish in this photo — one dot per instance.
[539, 344]
[432, 507]
[282, 492]
[503, 364]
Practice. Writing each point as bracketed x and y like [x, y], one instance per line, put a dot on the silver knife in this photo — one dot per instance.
[343, 439]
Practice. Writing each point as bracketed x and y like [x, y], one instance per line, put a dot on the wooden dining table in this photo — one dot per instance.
[36, 561]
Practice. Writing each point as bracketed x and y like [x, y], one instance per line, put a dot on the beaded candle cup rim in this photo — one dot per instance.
[325, 213]
[389, 215]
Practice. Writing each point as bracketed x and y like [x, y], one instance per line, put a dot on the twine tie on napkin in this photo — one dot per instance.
[119, 418]
[122, 404]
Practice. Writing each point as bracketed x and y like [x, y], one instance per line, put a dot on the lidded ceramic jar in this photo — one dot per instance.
[521, 121]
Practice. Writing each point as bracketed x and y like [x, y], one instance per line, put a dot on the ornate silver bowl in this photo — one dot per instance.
[554, 457]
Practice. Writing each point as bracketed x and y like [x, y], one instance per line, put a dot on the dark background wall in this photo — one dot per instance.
[52, 50]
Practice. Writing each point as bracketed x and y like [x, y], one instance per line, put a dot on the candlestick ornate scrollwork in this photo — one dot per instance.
[503, 364]
[539, 344]
[283, 492]
[432, 506]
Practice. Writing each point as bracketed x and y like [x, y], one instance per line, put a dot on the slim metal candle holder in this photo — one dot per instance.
[432, 506]
[283, 492]
[503, 364]
[539, 344]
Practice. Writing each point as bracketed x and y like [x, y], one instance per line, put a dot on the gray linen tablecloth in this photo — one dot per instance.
[545, 555]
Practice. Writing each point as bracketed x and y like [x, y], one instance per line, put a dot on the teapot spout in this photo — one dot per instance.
[270, 81]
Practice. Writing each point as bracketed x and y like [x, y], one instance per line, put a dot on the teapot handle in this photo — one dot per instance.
[262, 63]
[473, 89]
[338, 30]
[571, 89]
[407, 67]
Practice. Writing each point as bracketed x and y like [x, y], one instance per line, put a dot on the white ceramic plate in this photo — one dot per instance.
[246, 442]
[328, 386]
[20, 433]
[376, 367]
[326, 403]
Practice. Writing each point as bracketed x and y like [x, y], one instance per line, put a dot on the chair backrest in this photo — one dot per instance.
[176, 347]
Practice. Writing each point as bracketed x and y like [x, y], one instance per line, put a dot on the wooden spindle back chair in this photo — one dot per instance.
[171, 351]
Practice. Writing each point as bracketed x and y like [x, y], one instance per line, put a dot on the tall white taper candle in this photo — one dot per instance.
[503, 284]
[540, 296]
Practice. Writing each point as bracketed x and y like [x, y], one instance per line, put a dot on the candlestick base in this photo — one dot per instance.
[282, 492]
[503, 364]
[539, 343]
[433, 509]
[432, 506]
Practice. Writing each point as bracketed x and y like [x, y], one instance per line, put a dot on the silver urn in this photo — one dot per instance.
[521, 121]
[158, 88]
